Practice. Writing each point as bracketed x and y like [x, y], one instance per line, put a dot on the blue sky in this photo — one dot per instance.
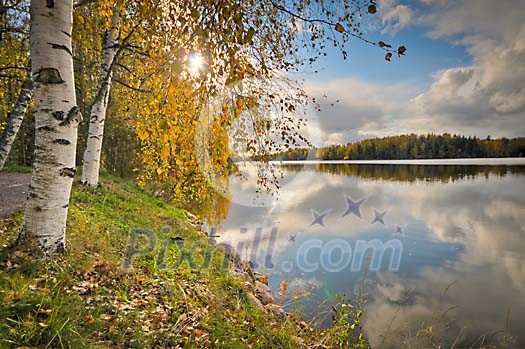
[425, 56]
[463, 73]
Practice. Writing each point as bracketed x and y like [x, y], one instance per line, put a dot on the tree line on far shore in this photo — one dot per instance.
[430, 146]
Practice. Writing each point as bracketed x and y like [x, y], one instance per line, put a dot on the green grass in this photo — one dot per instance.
[16, 168]
[84, 299]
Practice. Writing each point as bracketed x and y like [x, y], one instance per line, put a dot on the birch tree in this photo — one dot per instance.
[14, 120]
[91, 164]
[56, 121]
[15, 79]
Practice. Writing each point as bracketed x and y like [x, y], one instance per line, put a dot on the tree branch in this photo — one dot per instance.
[130, 87]
[13, 68]
[118, 64]
[331, 24]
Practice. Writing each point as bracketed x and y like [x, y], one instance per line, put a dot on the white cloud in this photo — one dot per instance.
[488, 95]
[394, 17]
[364, 109]
[482, 98]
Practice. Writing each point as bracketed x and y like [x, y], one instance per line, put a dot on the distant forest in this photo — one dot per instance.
[412, 146]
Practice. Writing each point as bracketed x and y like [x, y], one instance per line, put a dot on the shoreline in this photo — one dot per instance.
[429, 162]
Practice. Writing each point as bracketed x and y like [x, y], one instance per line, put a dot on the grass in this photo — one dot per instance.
[16, 168]
[85, 299]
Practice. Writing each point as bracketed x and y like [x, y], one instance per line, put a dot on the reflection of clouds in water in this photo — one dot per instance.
[484, 215]
[489, 274]
[292, 187]
[478, 299]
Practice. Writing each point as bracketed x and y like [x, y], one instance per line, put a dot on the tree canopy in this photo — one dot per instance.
[431, 146]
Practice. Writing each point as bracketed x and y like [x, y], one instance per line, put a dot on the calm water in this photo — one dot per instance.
[461, 277]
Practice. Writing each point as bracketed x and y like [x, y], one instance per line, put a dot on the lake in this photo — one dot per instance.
[434, 254]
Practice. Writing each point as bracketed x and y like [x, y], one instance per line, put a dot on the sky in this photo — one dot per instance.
[464, 73]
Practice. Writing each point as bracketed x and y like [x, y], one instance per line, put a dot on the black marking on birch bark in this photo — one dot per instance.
[59, 115]
[68, 172]
[46, 128]
[9, 133]
[65, 206]
[61, 47]
[96, 137]
[49, 76]
[61, 247]
[33, 195]
[73, 114]
[38, 208]
[50, 3]
[61, 141]
[65, 32]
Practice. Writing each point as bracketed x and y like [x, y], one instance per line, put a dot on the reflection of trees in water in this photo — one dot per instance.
[213, 208]
[409, 173]
[217, 209]
[211, 203]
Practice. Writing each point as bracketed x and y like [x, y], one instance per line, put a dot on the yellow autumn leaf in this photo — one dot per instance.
[237, 112]
[143, 134]
[165, 152]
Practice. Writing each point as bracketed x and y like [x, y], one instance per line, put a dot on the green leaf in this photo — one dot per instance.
[164, 124]
[237, 18]
[249, 35]
[195, 14]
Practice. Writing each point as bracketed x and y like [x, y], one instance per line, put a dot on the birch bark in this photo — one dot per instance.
[14, 119]
[92, 154]
[56, 123]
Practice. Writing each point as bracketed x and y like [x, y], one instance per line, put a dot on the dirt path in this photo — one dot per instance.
[13, 191]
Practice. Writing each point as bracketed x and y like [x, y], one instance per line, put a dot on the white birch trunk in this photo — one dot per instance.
[93, 152]
[56, 123]
[14, 119]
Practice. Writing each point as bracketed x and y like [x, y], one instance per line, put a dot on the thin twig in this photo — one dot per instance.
[131, 87]
[331, 24]
[14, 68]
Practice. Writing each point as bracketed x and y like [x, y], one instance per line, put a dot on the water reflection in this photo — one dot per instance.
[462, 273]
[408, 173]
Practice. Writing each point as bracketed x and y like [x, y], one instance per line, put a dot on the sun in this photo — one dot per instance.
[196, 62]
